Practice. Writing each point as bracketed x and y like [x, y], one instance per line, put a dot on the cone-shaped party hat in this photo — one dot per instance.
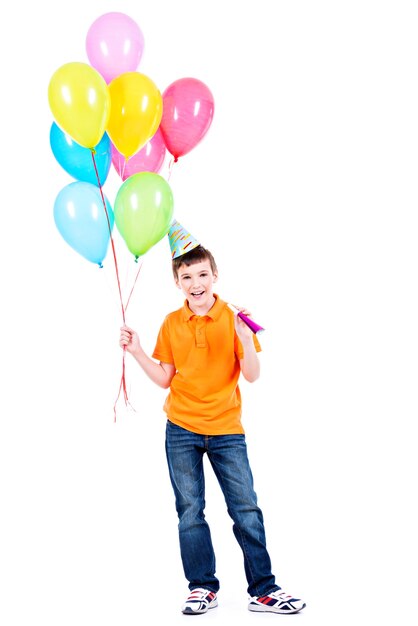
[181, 241]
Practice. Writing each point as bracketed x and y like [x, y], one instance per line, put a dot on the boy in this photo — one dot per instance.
[200, 353]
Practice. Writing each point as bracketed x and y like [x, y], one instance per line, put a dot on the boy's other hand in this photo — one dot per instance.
[243, 330]
[129, 339]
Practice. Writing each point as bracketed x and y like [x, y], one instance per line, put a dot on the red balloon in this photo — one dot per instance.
[188, 108]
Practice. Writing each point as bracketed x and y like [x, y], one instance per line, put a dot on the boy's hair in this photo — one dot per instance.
[194, 256]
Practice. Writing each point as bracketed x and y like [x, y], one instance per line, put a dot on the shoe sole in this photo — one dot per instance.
[264, 609]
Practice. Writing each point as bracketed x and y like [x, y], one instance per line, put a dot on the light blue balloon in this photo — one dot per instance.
[80, 217]
[77, 160]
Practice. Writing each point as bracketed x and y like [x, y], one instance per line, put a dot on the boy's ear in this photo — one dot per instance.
[215, 276]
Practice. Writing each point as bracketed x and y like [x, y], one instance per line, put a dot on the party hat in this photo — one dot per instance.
[181, 241]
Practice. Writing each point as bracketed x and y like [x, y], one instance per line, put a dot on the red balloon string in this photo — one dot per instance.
[123, 169]
[110, 234]
[133, 286]
[122, 385]
[170, 167]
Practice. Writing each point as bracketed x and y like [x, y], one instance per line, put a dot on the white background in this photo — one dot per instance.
[305, 189]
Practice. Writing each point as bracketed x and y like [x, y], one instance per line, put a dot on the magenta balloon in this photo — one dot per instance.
[188, 108]
[114, 45]
[149, 159]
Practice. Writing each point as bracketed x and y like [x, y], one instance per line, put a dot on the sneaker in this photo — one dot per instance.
[276, 602]
[199, 601]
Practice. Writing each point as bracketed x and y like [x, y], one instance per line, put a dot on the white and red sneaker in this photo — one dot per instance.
[276, 602]
[199, 601]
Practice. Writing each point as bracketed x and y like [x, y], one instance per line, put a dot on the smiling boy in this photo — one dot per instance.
[201, 350]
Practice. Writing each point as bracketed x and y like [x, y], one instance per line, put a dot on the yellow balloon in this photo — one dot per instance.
[80, 102]
[136, 111]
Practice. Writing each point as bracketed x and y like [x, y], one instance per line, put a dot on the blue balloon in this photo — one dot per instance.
[77, 160]
[80, 217]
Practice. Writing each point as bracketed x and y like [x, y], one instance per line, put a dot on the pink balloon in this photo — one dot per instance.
[188, 108]
[149, 159]
[114, 45]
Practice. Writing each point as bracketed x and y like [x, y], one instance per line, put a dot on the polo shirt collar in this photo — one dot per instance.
[214, 313]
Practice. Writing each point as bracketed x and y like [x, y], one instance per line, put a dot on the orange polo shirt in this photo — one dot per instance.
[204, 394]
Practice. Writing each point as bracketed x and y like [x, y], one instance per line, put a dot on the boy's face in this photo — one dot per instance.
[196, 282]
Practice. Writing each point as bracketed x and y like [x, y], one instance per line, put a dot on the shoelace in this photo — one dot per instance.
[280, 595]
[197, 594]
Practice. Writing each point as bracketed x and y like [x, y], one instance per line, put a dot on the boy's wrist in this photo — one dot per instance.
[137, 353]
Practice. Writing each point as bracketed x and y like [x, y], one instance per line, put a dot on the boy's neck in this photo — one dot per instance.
[204, 309]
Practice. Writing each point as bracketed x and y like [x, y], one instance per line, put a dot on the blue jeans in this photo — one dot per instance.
[228, 457]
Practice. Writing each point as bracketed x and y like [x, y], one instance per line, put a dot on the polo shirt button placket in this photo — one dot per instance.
[200, 335]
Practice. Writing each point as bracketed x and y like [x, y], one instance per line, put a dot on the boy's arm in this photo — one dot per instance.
[160, 373]
[250, 363]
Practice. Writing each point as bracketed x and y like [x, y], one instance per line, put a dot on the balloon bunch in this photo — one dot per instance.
[109, 113]
[105, 113]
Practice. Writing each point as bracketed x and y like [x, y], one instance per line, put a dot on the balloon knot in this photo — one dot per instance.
[101, 265]
[93, 151]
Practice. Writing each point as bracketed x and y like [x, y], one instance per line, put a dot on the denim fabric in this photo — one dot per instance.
[228, 457]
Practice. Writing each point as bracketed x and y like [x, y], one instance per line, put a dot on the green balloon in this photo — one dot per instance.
[143, 211]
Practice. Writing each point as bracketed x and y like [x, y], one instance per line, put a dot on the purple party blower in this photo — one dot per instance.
[256, 328]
